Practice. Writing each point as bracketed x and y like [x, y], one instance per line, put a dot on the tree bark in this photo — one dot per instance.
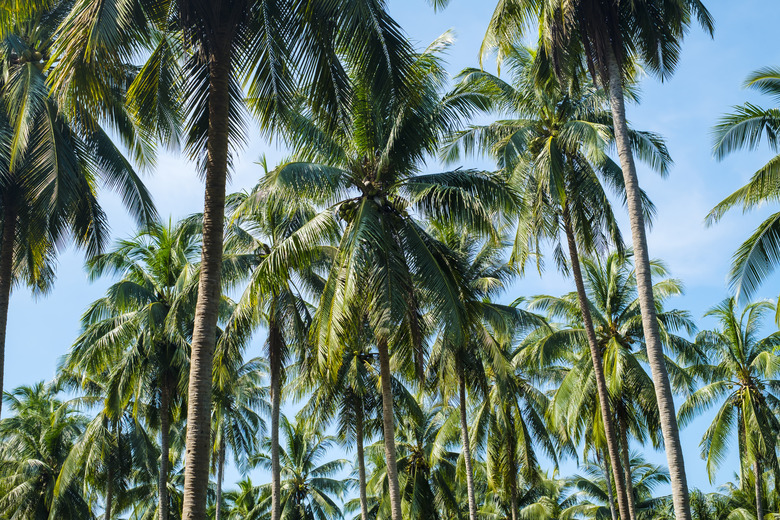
[598, 369]
[759, 490]
[165, 434]
[109, 491]
[655, 355]
[196, 471]
[275, 362]
[626, 458]
[388, 427]
[10, 213]
[610, 494]
[512, 484]
[220, 477]
[359, 434]
[464, 438]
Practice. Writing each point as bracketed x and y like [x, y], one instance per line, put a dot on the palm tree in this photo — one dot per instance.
[140, 331]
[743, 374]
[51, 165]
[364, 171]
[555, 151]
[36, 440]
[248, 502]
[757, 257]
[198, 54]
[309, 489]
[611, 37]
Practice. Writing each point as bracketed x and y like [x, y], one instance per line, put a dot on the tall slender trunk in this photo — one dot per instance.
[220, 477]
[759, 490]
[598, 369]
[165, 434]
[655, 355]
[626, 458]
[388, 428]
[610, 494]
[512, 484]
[198, 457]
[359, 434]
[275, 362]
[109, 491]
[464, 438]
[6, 278]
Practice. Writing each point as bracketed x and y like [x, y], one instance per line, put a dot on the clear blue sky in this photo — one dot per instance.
[683, 110]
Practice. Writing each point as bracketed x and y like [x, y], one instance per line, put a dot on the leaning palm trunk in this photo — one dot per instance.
[220, 477]
[361, 462]
[598, 370]
[165, 434]
[388, 427]
[626, 462]
[274, 358]
[644, 283]
[759, 491]
[610, 494]
[464, 437]
[6, 279]
[196, 472]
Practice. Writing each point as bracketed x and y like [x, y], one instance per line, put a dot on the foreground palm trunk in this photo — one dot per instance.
[6, 279]
[388, 427]
[361, 463]
[196, 472]
[464, 437]
[759, 491]
[655, 355]
[274, 355]
[165, 434]
[598, 370]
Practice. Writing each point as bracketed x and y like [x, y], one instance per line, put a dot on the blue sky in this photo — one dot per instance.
[707, 83]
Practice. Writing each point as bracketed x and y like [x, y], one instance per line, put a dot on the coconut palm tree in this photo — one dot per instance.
[757, 257]
[198, 54]
[365, 172]
[51, 163]
[140, 331]
[36, 440]
[610, 37]
[743, 376]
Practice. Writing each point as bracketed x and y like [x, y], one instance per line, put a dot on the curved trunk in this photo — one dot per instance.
[198, 454]
[598, 370]
[388, 428]
[626, 458]
[165, 434]
[220, 477]
[610, 494]
[655, 355]
[274, 359]
[464, 438]
[361, 463]
[759, 491]
[6, 279]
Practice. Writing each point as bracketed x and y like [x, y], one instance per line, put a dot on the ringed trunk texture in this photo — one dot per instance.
[359, 433]
[598, 371]
[388, 427]
[610, 494]
[196, 472]
[274, 359]
[165, 434]
[655, 355]
[6, 279]
[220, 477]
[464, 438]
[624, 453]
[759, 491]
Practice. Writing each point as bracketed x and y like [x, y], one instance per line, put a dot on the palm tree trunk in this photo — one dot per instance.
[598, 369]
[220, 477]
[109, 492]
[610, 494]
[165, 434]
[624, 453]
[388, 427]
[6, 278]
[274, 359]
[512, 484]
[359, 433]
[759, 490]
[198, 456]
[464, 438]
[644, 283]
